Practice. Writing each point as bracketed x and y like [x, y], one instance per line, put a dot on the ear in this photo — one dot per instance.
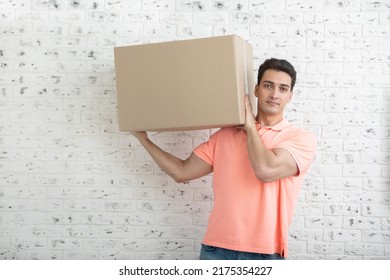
[291, 94]
[255, 92]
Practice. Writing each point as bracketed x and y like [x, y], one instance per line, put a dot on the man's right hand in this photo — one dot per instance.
[139, 134]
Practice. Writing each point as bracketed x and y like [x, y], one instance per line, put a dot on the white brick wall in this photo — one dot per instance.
[73, 187]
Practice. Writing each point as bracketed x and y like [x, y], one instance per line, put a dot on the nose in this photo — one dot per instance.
[274, 93]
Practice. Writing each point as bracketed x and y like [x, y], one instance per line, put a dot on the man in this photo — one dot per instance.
[258, 170]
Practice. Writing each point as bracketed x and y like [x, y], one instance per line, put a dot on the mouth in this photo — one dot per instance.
[273, 103]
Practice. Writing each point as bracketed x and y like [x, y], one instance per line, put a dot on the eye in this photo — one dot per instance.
[283, 89]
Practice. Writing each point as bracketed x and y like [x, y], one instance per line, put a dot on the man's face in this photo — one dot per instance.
[273, 92]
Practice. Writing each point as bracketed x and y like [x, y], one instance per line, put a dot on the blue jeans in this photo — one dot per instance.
[215, 253]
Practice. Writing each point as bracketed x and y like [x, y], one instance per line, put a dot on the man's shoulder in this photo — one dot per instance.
[229, 132]
[298, 132]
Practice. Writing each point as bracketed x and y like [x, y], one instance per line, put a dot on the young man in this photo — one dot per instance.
[258, 170]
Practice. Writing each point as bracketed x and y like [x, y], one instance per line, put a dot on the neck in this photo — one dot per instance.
[268, 120]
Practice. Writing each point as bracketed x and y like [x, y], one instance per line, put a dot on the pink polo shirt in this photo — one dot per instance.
[249, 215]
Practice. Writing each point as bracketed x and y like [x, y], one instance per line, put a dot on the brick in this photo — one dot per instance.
[325, 247]
[137, 219]
[337, 209]
[360, 17]
[134, 245]
[44, 230]
[360, 170]
[192, 207]
[320, 119]
[154, 232]
[374, 210]
[175, 194]
[312, 183]
[368, 145]
[26, 243]
[210, 18]
[159, 30]
[325, 221]
[337, 5]
[175, 245]
[374, 132]
[361, 119]
[65, 243]
[120, 206]
[173, 219]
[43, 255]
[362, 197]
[361, 223]
[367, 43]
[341, 30]
[324, 196]
[168, 5]
[104, 218]
[100, 243]
[342, 235]
[195, 30]
[26, 218]
[13, 205]
[385, 224]
[188, 231]
[296, 248]
[337, 132]
[10, 254]
[287, 43]
[359, 248]
[387, 249]
[376, 157]
[340, 158]
[27, 193]
[377, 81]
[384, 17]
[83, 205]
[138, 193]
[374, 55]
[375, 5]
[376, 184]
[331, 170]
[306, 234]
[203, 194]
[375, 30]
[273, 30]
[116, 231]
[246, 18]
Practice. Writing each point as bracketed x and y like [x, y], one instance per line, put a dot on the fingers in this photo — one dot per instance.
[139, 134]
[248, 105]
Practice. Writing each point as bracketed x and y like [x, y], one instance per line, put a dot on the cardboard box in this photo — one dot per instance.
[184, 85]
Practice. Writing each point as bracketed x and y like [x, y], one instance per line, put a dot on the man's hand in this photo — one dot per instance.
[140, 135]
[250, 120]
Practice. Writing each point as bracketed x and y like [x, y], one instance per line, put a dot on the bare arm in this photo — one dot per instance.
[180, 170]
[269, 165]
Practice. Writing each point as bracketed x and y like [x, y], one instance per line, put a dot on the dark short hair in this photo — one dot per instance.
[278, 65]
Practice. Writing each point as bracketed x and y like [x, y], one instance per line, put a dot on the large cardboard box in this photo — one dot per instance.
[184, 85]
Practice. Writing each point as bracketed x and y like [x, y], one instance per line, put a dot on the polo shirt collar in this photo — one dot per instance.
[278, 126]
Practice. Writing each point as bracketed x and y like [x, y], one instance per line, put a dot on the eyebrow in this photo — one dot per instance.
[274, 83]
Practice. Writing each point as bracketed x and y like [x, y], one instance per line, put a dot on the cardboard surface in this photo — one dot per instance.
[184, 85]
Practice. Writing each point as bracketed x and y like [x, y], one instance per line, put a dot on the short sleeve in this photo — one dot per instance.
[206, 150]
[302, 145]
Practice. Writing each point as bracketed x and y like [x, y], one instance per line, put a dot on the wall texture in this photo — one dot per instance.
[73, 187]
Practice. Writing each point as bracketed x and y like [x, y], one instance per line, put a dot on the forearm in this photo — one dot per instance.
[260, 157]
[167, 162]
